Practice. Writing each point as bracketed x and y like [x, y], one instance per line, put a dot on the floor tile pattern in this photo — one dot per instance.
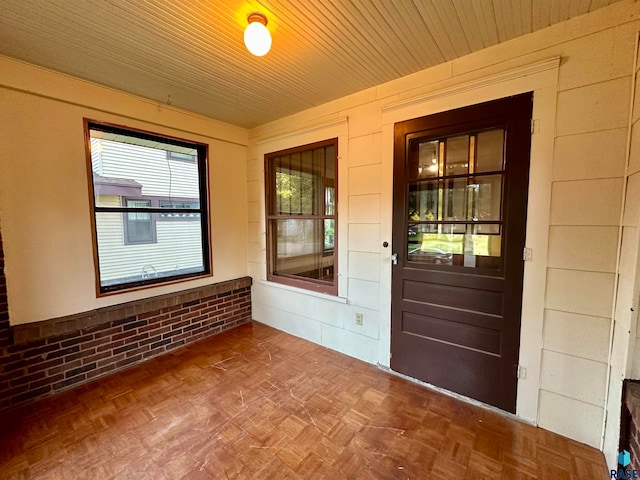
[256, 403]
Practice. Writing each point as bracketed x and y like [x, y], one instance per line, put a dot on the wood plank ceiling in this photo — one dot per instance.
[190, 53]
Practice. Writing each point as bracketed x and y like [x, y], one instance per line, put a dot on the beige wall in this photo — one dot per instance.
[46, 224]
[578, 165]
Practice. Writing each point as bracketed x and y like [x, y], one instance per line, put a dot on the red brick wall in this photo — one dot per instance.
[36, 368]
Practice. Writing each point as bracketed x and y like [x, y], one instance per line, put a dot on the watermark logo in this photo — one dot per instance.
[624, 459]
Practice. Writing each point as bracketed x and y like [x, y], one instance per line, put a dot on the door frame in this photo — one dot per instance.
[542, 79]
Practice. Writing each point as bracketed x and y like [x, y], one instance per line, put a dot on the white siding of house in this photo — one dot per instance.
[151, 168]
[96, 156]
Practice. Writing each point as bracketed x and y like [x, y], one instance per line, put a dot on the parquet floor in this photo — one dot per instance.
[258, 403]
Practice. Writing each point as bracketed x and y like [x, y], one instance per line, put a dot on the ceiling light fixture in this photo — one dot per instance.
[256, 36]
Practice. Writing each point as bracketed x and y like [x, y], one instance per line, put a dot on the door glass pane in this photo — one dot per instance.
[486, 198]
[427, 246]
[423, 159]
[446, 247]
[490, 152]
[454, 199]
[457, 155]
[487, 229]
[450, 228]
[423, 201]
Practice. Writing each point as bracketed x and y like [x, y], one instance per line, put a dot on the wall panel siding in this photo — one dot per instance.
[583, 248]
[582, 336]
[574, 377]
[580, 156]
[570, 417]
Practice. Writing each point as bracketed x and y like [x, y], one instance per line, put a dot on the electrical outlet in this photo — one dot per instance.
[359, 319]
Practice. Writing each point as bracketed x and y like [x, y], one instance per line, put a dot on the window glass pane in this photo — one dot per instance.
[490, 151]
[457, 155]
[300, 247]
[329, 234]
[330, 201]
[176, 251]
[305, 183]
[296, 186]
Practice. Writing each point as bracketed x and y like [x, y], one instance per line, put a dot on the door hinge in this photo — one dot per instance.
[521, 372]
[527, 254]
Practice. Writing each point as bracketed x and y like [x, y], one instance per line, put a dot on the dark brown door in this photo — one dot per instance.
[460, 204]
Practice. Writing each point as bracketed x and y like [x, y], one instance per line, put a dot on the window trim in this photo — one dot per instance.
[319, 286]
[203, 188]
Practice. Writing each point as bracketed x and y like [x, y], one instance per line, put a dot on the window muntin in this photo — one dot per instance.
[136, 187]
[301, 189]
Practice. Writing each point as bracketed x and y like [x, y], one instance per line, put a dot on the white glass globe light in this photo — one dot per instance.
[256, 36]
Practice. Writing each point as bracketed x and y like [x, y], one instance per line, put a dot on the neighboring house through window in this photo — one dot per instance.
[149, 207]
[301, 185]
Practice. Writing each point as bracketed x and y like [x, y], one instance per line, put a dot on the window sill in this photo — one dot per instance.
[302, 291]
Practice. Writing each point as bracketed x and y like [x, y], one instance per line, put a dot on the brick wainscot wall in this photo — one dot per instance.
[43, 358]
[630, 419]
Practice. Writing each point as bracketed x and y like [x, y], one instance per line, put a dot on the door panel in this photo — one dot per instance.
[460, 198]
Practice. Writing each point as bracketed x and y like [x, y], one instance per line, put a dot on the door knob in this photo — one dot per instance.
[394, 258]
